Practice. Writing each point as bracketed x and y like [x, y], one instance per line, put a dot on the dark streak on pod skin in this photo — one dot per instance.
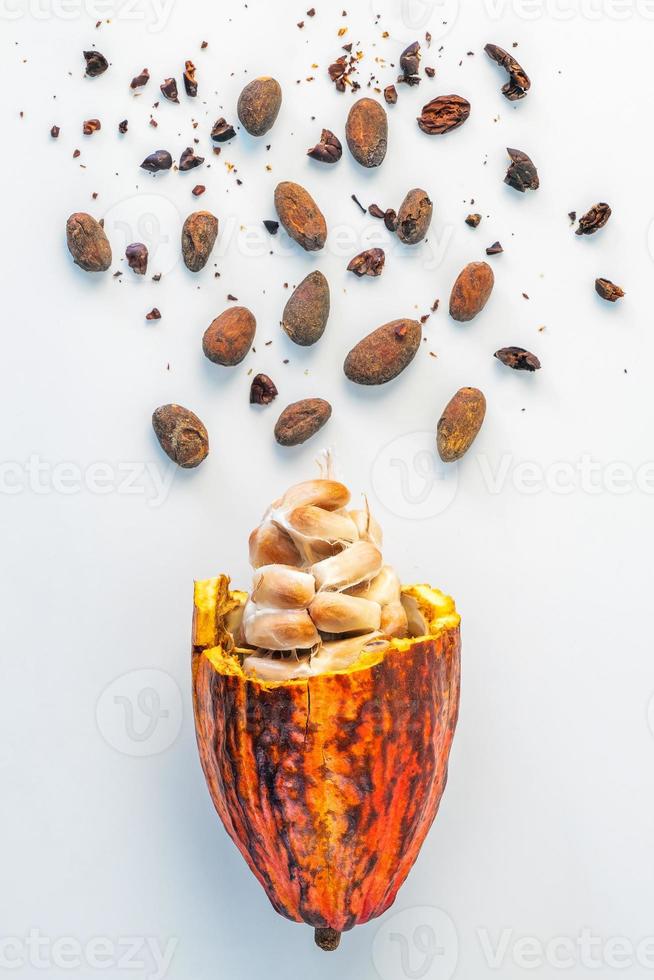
[259, 104]
[366, 132]
[384, 353]
[307, 311]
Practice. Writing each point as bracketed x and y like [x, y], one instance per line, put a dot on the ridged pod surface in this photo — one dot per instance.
[328, 784]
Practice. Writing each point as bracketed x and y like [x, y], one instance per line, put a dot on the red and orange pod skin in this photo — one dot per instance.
[328, 784]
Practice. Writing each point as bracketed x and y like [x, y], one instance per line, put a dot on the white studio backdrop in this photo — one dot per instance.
[540, 860]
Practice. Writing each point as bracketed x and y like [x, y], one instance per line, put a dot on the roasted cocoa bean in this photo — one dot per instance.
[522, 174]
[366, 132]
[229, 337]
[460, 423]
[414, 217]
[181, 435]
[259, 104]
[384, 353]
[262, 390]
[368, 263]
[594, 219]
[198, 239]
[471, 291]
[301, 420]
[518, 358]
[443, 114]
[300, 216]
[307, 311]
[88, 243]
[518, 84]
[608, 290]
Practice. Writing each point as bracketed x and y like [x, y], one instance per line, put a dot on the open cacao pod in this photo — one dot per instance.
[329, 780]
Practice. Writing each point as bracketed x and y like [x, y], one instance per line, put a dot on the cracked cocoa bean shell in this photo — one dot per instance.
[471, 291]
[594, 219]
[259, 104]
[366, 132]
[414, 216]
[88, 243]
[301, 420]
[181, 434]
[384, 353]
[229, 337]
[307, 311]
[300, 216]
[519, 83]
[460, 423]
[608, 290]
[522, 174]
[199, 235]
[443, 114]
[518, 358]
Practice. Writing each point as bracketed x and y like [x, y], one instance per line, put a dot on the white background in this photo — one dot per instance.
[546, 826]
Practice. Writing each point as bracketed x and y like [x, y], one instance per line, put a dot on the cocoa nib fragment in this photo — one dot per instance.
[137, 258]
[222, 131]
[522, 174]
[443, 114]
[376, 212]
[608, 290]
[169, 90]
[122, 126]
[338, 72]
[139, 81]
[272, 227]
[154, 314]
[390, 94]
[518, 358]
[91, 126]
[368, 263]
[473, 220]
[594, 219]
[181, 435]
[54, 132]
[410, 64]
[263, 390]
[328, 150]
[519, 83]
[198, 190]
[190, 81]
[494, 249]
[391, 219]
[189, 161]
[159, 160]
[96, 63]
[301, 420]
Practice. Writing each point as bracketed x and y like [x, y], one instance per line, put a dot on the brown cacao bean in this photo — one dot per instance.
[384, 353]
[88, 243]
[460, 423]
[198, 239]
[366, 132]
[307, 311]
[259, 104]
[414, 217]
[443, 114]
[229, 337]
[301, 420]
[300, 216]
[181, 435]
[471, 291]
